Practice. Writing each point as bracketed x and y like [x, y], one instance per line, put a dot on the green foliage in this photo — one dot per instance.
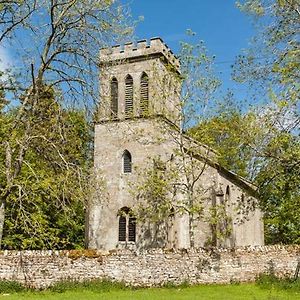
[279, 183]
[7, 286]
[221, 224]
[271, 68]
[45, 208]
[224, 133]
[213, 291]
[261, 144]
[271, 64]
[254, 147]
[172, 285]
[95, 285]
[45, 144]
[154, 192]
[199, 81]
[268, 281]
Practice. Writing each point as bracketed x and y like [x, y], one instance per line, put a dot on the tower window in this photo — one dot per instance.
[131, 229]
[122, 228]
[127, 162]
[127, 225]
[144, 101]
[114, 97]
[128, 96]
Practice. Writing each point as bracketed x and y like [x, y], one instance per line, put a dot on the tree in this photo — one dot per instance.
[173, 185]
[59, 54]
[263, 143]
[224, 132]
[48, 193]
[278, 182]
[253, 146]
[272, 63]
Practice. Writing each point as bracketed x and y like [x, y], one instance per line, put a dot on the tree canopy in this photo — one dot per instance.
[48, 99]
[263, 143]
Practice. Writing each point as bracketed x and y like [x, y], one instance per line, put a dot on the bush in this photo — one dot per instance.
[270, 280]
[7, 286]
[173, 285]
[95, 285]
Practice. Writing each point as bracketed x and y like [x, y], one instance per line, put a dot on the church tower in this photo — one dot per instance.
[138, 81]
[136, 127]
[139, 84]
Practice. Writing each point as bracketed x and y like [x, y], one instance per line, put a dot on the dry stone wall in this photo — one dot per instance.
[40, 269]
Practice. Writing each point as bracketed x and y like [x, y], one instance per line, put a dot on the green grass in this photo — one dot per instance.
[271, 281]
[213, 292]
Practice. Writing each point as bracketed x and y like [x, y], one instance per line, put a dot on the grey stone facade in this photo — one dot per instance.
[156, 136]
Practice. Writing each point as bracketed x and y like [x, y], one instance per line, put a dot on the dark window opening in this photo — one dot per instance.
[127, 225]
[114, 97]
[122, 229]
[127, 162]
[227, 194]
[131, 229]
[128, 96]
[144, 104]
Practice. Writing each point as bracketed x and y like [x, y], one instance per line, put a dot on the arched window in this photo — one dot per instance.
[144, 101]
[127, 225]
[227, 194]
[128, 96]
[122, 228]
[127, 162]
[114, 97]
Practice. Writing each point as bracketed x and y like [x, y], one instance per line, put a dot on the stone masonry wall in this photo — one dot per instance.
[40, 269]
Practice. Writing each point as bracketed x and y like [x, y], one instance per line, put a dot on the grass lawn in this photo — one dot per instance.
[213, 292]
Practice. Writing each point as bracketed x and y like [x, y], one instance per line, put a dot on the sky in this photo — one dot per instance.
[4, 58]
[224, 29]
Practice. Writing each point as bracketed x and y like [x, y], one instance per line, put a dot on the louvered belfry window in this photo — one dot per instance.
[122, 228]
[114, 97]
[128, 96]
[144, 104]
[127, 225]
[127, 162]
[131, 229]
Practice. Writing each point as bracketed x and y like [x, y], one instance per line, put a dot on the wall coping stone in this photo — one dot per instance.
[155, 251]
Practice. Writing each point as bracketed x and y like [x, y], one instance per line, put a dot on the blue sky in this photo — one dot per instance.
[224, 29]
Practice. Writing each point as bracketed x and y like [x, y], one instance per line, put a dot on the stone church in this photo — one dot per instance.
[154, 185]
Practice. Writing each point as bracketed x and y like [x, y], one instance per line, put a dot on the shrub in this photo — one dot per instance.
[95, 285]
[286, 283]
[8, 286]
[173, 285]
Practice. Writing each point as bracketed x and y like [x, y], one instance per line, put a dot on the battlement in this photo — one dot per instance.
[128, 51]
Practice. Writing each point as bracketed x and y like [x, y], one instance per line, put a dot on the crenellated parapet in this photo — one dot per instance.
[143, 48]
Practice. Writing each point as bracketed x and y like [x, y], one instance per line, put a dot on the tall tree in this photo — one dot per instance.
[270, 67]
[56, 46]
[174, 185]
[255, 147]
[271, 64]
[45, 208]
[223, 131]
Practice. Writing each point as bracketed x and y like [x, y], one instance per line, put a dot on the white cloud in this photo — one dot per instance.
[5, 59]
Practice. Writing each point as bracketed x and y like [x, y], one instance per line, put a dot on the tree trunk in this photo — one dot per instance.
[2, 217]
[214, 238]
[191, 218]
[191, 229]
